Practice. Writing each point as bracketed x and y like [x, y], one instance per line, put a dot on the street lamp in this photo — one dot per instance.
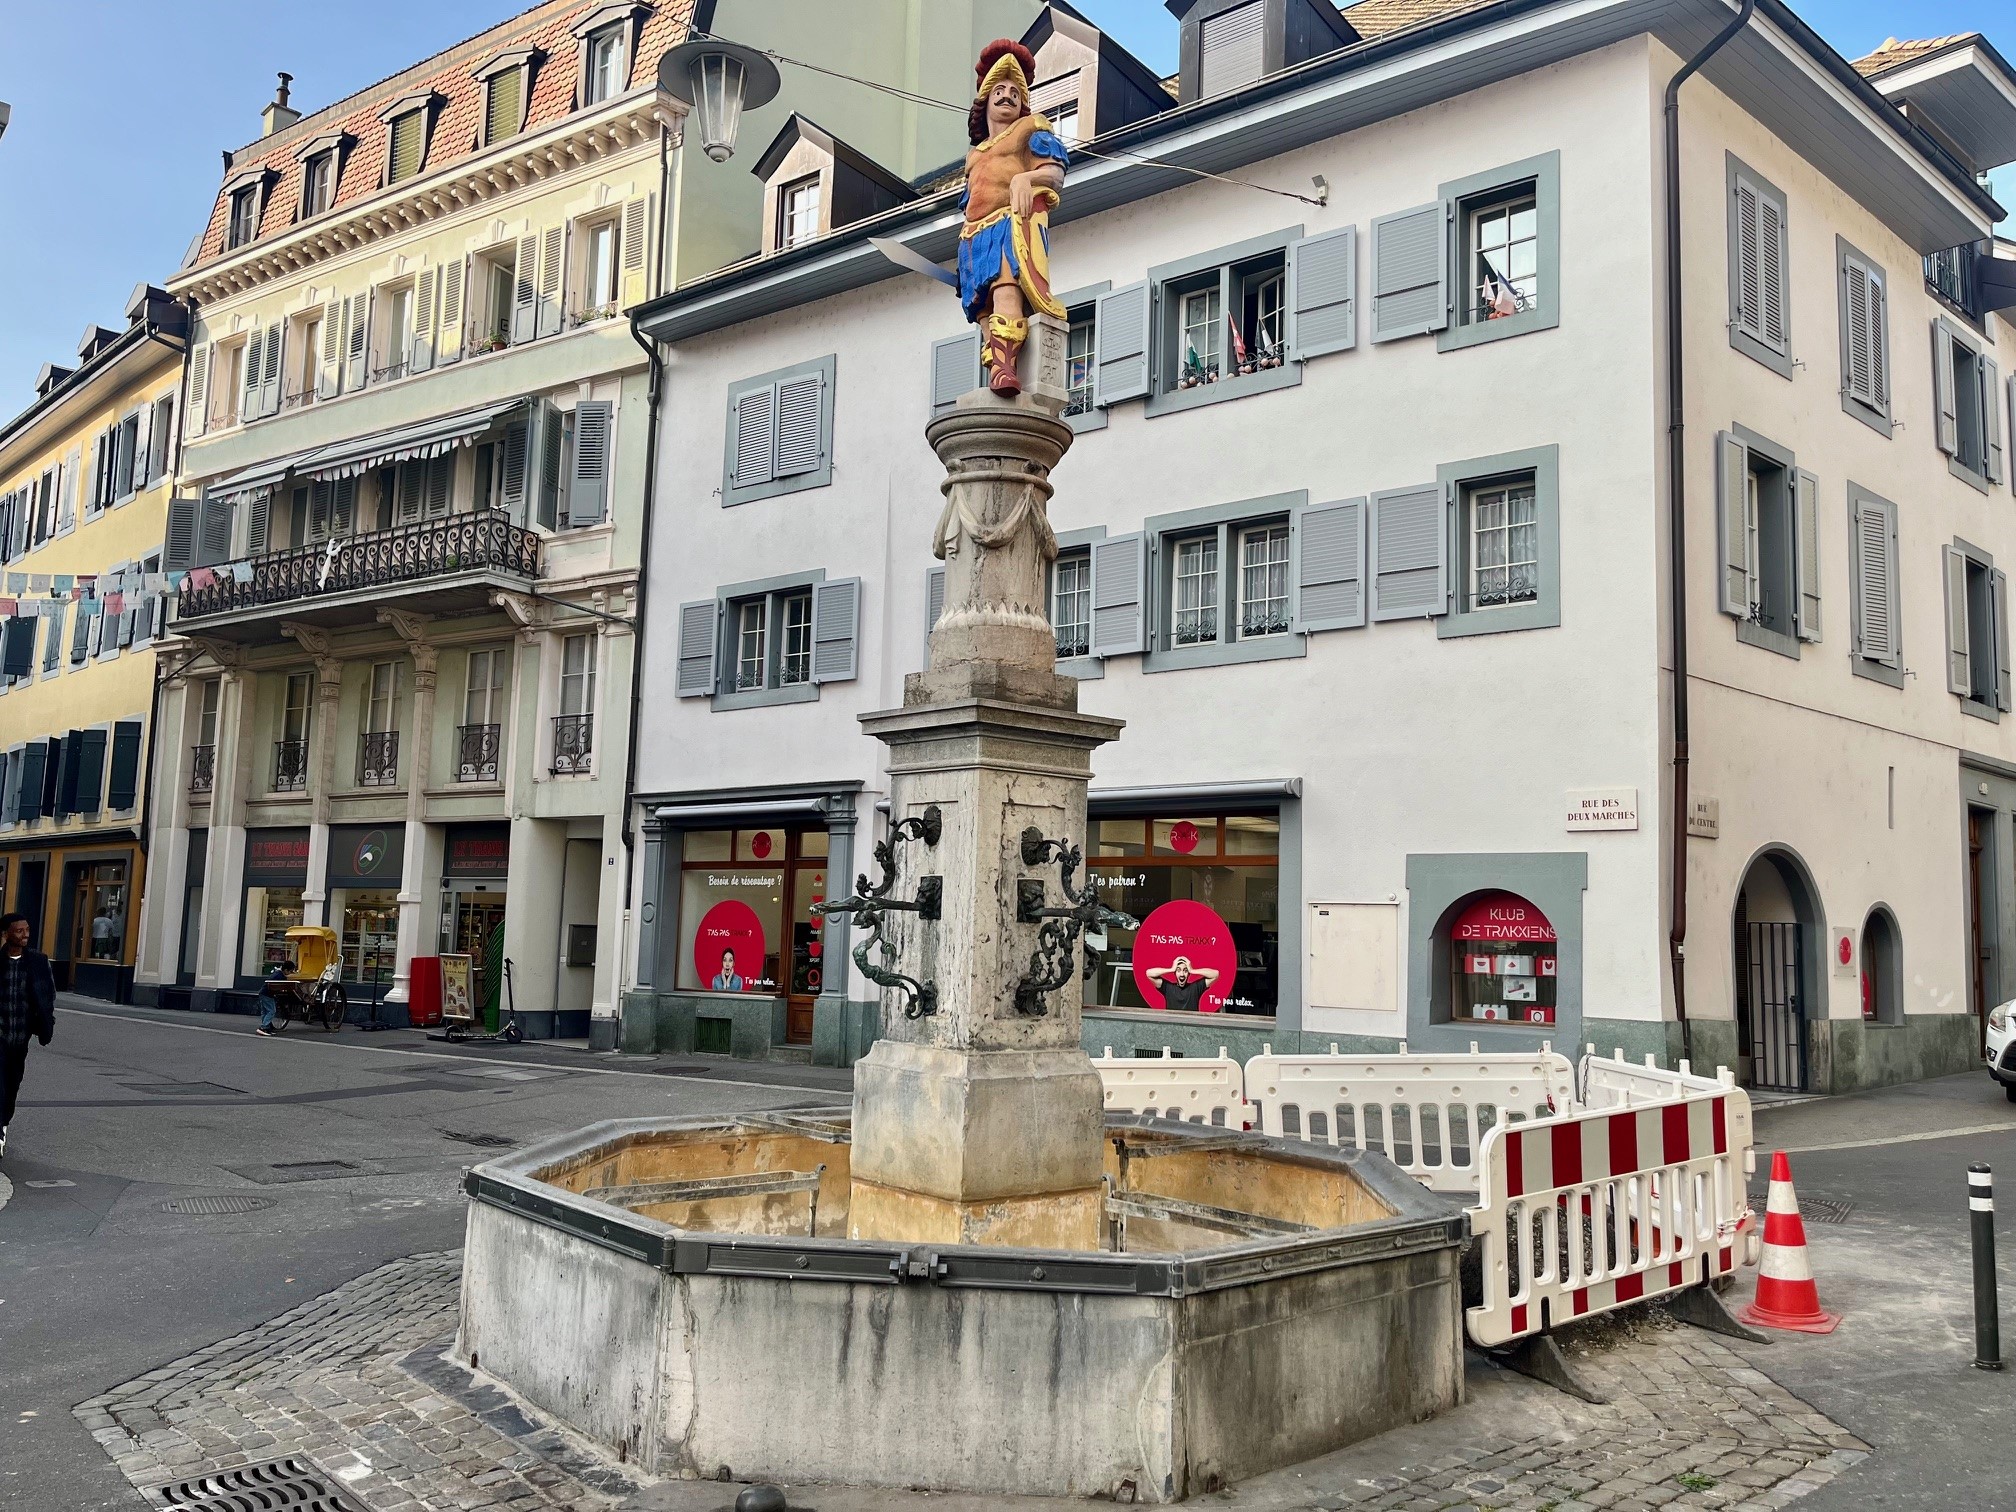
[719, 80]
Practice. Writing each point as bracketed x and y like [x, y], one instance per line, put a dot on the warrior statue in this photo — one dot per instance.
[1013, 177]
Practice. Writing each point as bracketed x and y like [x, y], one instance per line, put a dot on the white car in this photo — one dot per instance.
[2001, 1051]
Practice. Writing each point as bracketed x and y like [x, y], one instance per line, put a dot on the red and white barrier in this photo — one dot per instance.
[1197, 1089]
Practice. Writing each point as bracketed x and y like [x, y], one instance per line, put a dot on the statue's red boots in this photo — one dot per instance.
[1004, 338]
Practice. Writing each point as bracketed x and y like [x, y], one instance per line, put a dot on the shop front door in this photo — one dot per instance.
[479, 919]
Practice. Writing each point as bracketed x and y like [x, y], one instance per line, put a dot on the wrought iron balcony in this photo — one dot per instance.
[378, 758]
[479, 745]
[456, 543]
[202, 768]
[573, 744]
[290, 766]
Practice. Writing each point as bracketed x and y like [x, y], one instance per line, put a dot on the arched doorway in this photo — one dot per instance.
[1778, 945]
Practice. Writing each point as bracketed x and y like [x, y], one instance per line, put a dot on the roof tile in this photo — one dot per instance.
[1895, 53]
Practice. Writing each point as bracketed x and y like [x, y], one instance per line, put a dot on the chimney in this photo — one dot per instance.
[278, 116]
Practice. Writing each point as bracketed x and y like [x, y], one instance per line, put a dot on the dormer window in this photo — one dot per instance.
[244, 216]
[409, 145]
[1064, 123]
[798, 211]
[507, 90]
[318, 183]
[608, 63]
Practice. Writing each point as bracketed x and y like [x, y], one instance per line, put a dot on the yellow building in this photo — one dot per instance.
[85, 475]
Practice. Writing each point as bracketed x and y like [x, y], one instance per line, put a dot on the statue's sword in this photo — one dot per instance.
[912, 262]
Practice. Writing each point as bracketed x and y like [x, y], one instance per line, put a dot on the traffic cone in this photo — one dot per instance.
[1786, 1296]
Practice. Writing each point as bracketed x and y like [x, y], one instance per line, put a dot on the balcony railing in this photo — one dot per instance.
[479, 744]
[573, 744]
[290, 766]
[403, 554]
[202, 768]
[378, 758]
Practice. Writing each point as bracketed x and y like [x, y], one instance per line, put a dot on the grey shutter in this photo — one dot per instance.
[800, 406]
[258, 520]
[635, 251]
[90, 787]
[213, 543]
[94, 642]
[124, 789]
[1858, 367]
[17, 647]
[356, 340]
[342, 505]
[1121, 322]
[525, 290]
[53, 611]
[410, 489]
[511, 487]
[750, 420]
[588, 482]
[1119, 595]
[955, 368]
[934, 605]
[1322, 294]
[552, 254]
[1732, 478]
[329, 372]
[1410, 559]
[269, 377]
[440, 485]
[1410, 272]
[80, 632]
[1998, 584]
[424, 318]
[1771, 271]
[67, 751]
[699, 631]
[33, 762]
[1945, 399]
[1331, 578]
[1991, 415]
[199, 390]
[1874, 543]
[178, 552]
[1745, 299]
[1959, 666]
[547, 447]
[1806, 554]
[248, 379]
[453, 277]
[143, 425]
[1879, 337]
[94, 499]
[836, 629]
[10, 786]
[1231, 48]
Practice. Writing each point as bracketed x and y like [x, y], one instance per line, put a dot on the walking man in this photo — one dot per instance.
[27, 1006]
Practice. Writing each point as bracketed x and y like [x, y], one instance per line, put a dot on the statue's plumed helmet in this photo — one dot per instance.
[1003, 59]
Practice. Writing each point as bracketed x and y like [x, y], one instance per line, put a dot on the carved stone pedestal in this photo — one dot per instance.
[981, 1123]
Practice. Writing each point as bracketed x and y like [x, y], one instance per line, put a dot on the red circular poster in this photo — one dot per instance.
[759, 844]
[728, 948]
[1184, 958]
[1183, 837]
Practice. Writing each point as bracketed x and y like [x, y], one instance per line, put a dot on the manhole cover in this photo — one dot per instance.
[482, 1141]
[1812, 1209]
[210, 1207]
[290, 1483]
[183, 1089]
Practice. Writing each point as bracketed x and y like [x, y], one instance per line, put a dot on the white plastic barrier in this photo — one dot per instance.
[1196, 1089]
[1428, 1114]
[1613, 1082]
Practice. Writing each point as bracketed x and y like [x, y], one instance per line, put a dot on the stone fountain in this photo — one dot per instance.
[974, 1279]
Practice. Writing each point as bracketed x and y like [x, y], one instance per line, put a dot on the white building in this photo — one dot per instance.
[1365, 534]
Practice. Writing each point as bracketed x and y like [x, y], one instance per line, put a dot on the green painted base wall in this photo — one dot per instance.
[1849, 1055]
[670, 1023]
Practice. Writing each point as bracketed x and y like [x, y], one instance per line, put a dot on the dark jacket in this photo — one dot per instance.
[41, 996]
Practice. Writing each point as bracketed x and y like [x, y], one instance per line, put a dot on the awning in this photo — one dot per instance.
[346, 459]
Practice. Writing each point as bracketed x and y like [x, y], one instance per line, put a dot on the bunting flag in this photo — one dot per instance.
[38, 582]
[90, 608]
[176, 579]
[241, 572]
[17, 582]
[63, 582]
[7, 607]
[155, 582]
[201, 577]
[115, 603]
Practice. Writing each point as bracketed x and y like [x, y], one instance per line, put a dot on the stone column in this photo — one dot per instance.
[981, 1123]
[321, 777]
[418, 759]
[223, 867]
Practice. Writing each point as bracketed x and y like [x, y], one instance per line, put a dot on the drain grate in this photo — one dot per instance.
[210, 1207]
[315, 1167]
[291, 1483]
[481, 1141]
[1812, 1209]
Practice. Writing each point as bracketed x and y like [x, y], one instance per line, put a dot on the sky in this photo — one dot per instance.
[109, 167]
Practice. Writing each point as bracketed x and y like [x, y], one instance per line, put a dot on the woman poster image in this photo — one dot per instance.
[1014, 178]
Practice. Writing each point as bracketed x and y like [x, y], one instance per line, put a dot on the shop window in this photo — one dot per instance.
[1882, 969]
[745, 913]
[269, 913]
[1503, 960]
[100, 912]
[1207, 891]
[370, 939]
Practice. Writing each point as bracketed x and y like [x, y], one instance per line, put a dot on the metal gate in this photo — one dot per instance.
[1776, 1030]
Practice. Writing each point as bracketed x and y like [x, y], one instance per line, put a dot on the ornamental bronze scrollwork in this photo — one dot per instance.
[872, 903]
[1050, 963]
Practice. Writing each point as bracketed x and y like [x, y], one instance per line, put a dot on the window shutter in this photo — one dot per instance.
[1331, 580]
[425, 315]
[1806, 553]
[699, 627]
[500, 117]
[32, 762]
[357, 336]
[213, 543]
[955, 368]
[80, 632]
[934, 604]
[800, 446]
[836, 629]
[269, 374]
[178, 554]
[1322, 294]
[1745, 291]
[453, 278]
[1998, 583]
[94, 643]
[52, 753]
[329, 372]
[1959, 668]
[199, 390]
[750, 417]
[636, 250]
[124, 789]
[1874, 544]
[255, 355]
[1231, 48]
[1991, 415]
[440, 484]
[143, 437]
[511, 488]
[258, 520]
[1409, 538]
[588, 483]
[69, 758]
[1858, 368]
[1945, 399]
[525, 291]
[1410, 272]
[409, 138]
[410, 488]
[1732, 477]
[1119, 595]
[552, 269]
[10, 786]
[89, 794]
[1123, 369]
[546, 447]
[1771, 267]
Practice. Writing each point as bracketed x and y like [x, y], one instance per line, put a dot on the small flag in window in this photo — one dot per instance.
[1500, 298]
[1238, 341]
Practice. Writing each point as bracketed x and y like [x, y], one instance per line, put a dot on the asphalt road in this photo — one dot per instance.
[128, 1111]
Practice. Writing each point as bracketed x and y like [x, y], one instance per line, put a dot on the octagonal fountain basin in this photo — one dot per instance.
[683, 1292]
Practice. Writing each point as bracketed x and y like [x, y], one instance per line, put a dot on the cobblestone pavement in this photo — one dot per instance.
[358, 1380]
